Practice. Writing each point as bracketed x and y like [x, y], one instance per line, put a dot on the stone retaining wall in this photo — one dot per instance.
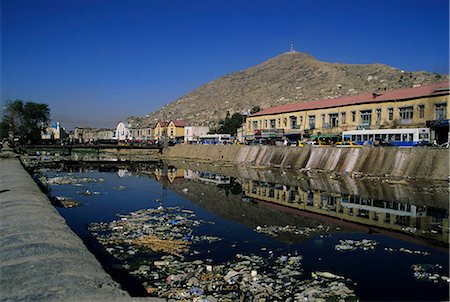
[426, 163]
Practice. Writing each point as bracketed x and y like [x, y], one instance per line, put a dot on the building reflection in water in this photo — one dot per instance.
[425, 218]
[418, 220]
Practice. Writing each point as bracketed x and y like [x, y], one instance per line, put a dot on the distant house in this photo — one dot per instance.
[123, 132]
[192, 133]
[175, 129]
[54, 132]
[160, 130]
[142, 132]
[86, 134]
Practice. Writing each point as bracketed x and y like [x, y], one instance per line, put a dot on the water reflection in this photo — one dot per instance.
[420, 211]
[252, 209]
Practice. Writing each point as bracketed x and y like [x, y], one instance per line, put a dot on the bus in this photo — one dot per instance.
[214, 139]
[397, 137]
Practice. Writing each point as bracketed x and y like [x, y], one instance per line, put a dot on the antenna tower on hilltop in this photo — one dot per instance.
[292, 48]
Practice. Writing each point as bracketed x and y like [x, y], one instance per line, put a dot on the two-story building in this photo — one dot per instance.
[142, 132]
[160, 130]
[424, 106]
[175, 129]
[171, 130]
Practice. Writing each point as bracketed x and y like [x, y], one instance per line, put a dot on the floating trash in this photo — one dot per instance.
[68, 180]
[274, 230]
[351, 245]
[120, 188]
[429, 272]
[161, 230]
[246, 277]
[65, 202]
[407, 251]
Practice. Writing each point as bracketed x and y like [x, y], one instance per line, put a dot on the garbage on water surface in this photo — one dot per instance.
[169, 233]
[429, 272]
[65, 202]
[351, 245]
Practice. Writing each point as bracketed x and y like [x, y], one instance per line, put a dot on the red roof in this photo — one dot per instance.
[400, 94]
[178, 123]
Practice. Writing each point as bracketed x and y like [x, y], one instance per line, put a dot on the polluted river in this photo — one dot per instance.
[197, 232]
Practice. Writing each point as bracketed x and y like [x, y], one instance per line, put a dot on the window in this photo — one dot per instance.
[333, 119]
[353, 116]
[293, 120]
[301, 120]
[323, 120]
[273, 124]
[405, 115]
[390, 114]
[255, 125]
[266, 125]
[343, 118]
[279, 122]
[440, 111]
[421, 111]
[312, 121]
[366, 117]
[260, 124]
[378, 115]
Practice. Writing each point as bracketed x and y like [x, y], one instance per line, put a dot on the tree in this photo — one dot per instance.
[255, 109]
[231, 123]
[24, 120]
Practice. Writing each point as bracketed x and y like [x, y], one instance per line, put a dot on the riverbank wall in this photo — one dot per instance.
[94, 154]
[42, 259]
[420, 163]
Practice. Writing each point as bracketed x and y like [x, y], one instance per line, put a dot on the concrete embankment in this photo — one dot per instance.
[41, 258]
[421, 163]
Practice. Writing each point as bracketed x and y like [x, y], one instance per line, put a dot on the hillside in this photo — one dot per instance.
[288, 78]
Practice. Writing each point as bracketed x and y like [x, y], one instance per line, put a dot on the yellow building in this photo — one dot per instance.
[160, 130]
[417, 107]
[172, 130]
[175, 129]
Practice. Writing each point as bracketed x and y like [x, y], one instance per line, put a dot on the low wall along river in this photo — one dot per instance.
[422, 163]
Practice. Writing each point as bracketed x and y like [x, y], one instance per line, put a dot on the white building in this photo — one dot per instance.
[123, 132]
[192, 133]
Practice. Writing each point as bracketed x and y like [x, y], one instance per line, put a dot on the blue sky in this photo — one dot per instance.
[96, 62]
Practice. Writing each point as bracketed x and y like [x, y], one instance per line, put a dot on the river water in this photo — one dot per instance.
[273, 212]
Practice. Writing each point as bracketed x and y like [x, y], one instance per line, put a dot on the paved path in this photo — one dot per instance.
[41, 259]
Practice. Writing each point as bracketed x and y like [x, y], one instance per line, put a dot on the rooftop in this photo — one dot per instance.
[399, 94]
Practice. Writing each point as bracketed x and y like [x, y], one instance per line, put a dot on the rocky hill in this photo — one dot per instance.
[288, 78]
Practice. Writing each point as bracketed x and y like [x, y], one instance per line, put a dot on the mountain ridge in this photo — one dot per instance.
[287, 78]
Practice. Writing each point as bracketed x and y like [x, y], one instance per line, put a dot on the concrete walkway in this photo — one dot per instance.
[41, 259]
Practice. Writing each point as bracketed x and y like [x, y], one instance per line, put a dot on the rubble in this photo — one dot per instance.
[351, 245]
